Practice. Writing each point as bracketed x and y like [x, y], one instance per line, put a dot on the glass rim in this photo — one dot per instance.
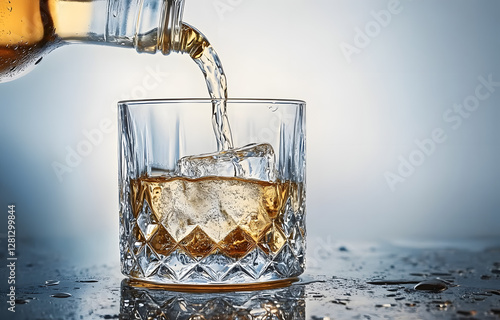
[209, 100]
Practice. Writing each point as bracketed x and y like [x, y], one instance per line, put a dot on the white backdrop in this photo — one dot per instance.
[402, 112]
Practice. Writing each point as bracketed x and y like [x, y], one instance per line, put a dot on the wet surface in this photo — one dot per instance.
[347, 281]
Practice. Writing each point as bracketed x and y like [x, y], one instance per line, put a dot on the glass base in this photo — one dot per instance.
[209, 288]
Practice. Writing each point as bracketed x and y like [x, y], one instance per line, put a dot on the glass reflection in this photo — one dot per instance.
[144, 303]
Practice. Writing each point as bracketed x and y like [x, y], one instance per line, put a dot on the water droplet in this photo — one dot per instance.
[61, 295]
[495, 271]
[418, 274]
[38, 61]
[52, 282]
[485, 277]
[441, 274]
[432, 285]
[9, 8]
[87, 281]
[343, 249]
[497, 292]
[467, 312]
[340, 301]
[22, 301]
[410, 304]
[385, 305]
[442, 304]
[495, 311]
[384, 282]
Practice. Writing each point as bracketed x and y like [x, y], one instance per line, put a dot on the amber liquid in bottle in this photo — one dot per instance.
[26, 34]
[31, 29]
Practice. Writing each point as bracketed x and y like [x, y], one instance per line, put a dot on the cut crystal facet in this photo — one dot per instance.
[197, 244]
[237, 243]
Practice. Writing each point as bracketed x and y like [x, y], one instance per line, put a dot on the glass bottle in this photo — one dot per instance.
[29, 29]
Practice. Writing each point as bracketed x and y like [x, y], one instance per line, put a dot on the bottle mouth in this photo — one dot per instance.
[170, 28]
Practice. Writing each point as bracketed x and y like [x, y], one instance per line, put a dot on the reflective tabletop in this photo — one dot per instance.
[344, 280]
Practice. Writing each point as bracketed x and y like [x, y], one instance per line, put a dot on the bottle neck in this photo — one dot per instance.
[146, 25]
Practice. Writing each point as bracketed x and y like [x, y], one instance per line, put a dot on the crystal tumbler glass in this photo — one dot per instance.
[194, 216]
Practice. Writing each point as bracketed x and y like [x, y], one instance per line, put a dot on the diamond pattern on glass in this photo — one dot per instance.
[164, 272]
[284, 261]
[237, 243]
[136, 271]
[179, 263]
[136, 197]
[297, 243]
[162, 242]
[287, 220]
[254, 262]
[255, 223]
[147, 221]
[198, 275]
[266, 243]
[148, 260]
[197, 244]
[136, 240]
[237, 275]
[273, 240]
[218, 264]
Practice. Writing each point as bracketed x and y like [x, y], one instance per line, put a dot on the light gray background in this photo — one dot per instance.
[363, 115]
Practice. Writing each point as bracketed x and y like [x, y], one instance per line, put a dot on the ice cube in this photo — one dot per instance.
[253, 161]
